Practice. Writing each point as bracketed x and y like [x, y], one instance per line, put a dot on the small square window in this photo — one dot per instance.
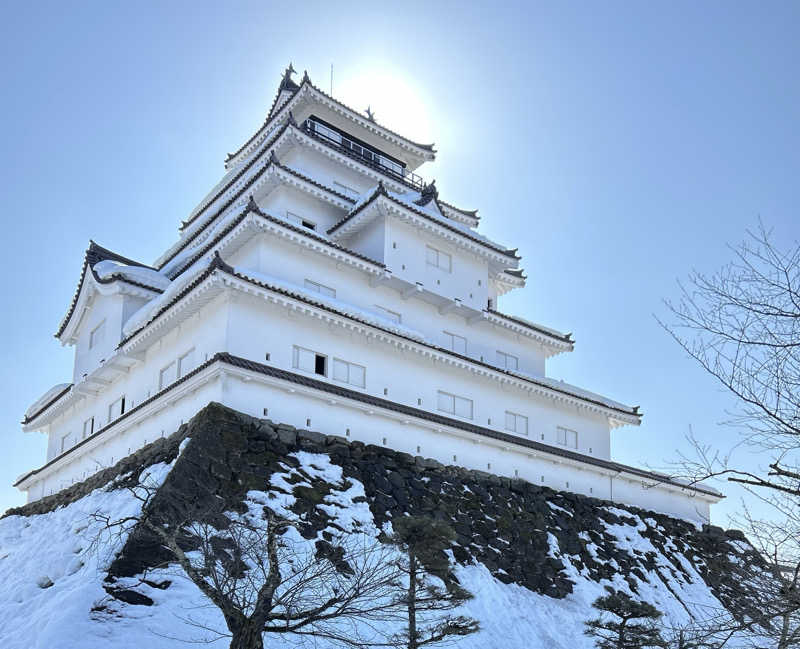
[567, 437]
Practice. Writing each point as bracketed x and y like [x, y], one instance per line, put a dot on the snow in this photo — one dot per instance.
[57, 548]
[67, 549]
[148, 276]
[333, 303]
[48, 396]
[146, 313]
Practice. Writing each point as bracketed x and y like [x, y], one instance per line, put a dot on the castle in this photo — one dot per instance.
[323, 284]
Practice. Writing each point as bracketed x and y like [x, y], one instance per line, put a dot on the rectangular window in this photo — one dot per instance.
[389, 315]
[296, 218]
[186, 363]
[88, 427]
[65, 442]
[516, 423]
[455, 342]
[346, 190]
[116, 409]
[320, 288]
[455, 405]
[349, 373]
[567, 437]
[507, 361]
[308, 361]
[439, 259]
[97, 334]
[167, 375]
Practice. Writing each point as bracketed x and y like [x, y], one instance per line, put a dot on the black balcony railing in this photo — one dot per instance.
[361, 153]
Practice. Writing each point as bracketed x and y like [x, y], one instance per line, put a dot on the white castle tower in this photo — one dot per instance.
[323, 284]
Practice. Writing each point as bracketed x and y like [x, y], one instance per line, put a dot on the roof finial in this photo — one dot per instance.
[286, 80]
[291, 119]
[306, 78]
[370, 114]
[218, 263]
[252, 206]
[273, 158]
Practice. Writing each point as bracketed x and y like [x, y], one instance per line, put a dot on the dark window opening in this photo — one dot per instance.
[309, 225]
[122, 406]
[319, 365]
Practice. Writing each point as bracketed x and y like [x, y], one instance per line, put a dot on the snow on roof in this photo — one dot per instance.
[346, 308]
[560, 385]
[413, 200]
[46, 399]
[110, 269]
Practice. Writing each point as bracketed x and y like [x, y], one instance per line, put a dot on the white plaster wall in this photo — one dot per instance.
[112, 446]
[257, 328]
[325, 170]
[406, 250]
[449, 447]
[283, 199]
[205, 332]
[278, 258]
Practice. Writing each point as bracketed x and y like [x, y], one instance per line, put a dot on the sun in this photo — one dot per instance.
[396, 101]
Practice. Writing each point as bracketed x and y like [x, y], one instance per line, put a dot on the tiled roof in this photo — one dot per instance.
[330, 388]
[294, 88]
[34, 415]
[381, 191]
[252, 207]
[273, 161]
[95, 254]
[567, 338]
[217, 263]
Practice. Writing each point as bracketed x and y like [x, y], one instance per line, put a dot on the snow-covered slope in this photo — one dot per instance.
[535, 559]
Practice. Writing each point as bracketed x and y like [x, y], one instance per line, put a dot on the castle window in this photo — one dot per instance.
[116, 409]
[320, 288]
[438, 259]
[88, 427]
[455, 405]
[394, 316]
[308, 224]
[97, 334]
[309, 361]
[168, 375]
[516, 423]
[186, 363]
[567, 437]
[65, 442]
[507, 361]
[349, 373]
[455, 343]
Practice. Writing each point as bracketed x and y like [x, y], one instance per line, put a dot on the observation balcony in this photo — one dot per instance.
[362, 153]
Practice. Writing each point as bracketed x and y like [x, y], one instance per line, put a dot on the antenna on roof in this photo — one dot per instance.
[331, 79]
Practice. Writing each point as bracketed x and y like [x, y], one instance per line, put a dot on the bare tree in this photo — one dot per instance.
[742, 326]
[263, 577]
[423, 542]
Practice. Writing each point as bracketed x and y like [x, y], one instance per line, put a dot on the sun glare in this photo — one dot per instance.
[396, 101]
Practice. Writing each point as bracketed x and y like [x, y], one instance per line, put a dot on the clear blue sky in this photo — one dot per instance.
[619, 145]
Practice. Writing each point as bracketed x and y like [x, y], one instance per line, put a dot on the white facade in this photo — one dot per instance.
[322, 285]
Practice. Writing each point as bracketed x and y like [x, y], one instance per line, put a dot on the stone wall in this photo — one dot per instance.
[502, 523]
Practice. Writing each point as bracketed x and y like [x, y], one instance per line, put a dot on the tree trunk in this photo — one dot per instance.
[412, 600]
[247, 636]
